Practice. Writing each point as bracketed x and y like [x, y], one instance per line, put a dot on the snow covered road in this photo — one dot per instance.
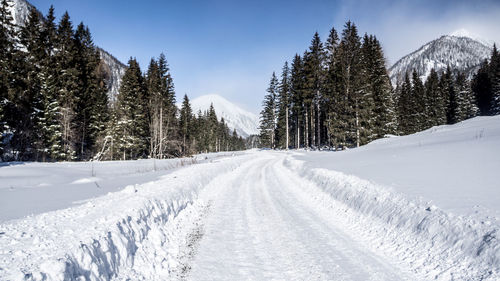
[262, 227]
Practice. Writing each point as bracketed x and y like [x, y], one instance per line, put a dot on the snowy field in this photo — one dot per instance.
[419, 207]
[454, 167]
[32, 188]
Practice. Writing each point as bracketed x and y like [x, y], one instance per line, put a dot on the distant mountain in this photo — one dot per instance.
[245, 123]
[115, 69]
[459, 50]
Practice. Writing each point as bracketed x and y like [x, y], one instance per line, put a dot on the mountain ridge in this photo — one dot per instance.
[460, 52]
[245, 122]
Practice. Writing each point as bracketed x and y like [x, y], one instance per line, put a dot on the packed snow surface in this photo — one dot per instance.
[245, 122]
[418, 207]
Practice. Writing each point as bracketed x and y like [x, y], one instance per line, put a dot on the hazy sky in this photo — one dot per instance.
[231, 47]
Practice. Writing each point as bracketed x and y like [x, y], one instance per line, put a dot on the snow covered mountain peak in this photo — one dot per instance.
[459, 52]
[245, 123]
[462, 32]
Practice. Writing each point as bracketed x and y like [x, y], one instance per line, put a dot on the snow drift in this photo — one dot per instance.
[111, 235]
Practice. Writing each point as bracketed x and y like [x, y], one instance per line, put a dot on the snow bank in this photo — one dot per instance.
[113, 234]
[434, 242]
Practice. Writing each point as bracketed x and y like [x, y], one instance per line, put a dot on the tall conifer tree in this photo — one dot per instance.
[268, 115]
[133, 126]
[283, 134]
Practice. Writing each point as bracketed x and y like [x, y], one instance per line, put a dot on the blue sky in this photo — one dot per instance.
[231, 47]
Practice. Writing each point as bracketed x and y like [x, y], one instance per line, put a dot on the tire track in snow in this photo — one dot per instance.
[260, 229]
[192, 242]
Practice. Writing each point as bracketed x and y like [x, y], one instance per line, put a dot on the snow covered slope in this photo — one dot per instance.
[20, 10]
[245, 123]
[454, 166]
[114, 69]
[458, 50]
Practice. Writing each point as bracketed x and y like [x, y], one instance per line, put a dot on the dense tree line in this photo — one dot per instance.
[448, 98]
[438, 101]
[145, 121]
[54, 104]
[338, 94]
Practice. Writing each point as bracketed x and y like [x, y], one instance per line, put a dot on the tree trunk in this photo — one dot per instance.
[318, 129]
[357, 125]
[306, 125]
[161, 133]
[286, 126]
[313, 130]
[298, 133]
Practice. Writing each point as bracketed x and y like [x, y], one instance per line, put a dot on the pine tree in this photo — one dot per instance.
[32, 39]
[99, 108]
[383, 116]
[417, 104]
[404, 108]
[50, 123]
[334, 100]
[447, 93]
[133, 126]
[169, 110]
[51, 132]
[185, 123]
[212, 127]
[6, 50]
[329, 84]
[354, 113]
[494, 74]
[314, 76]
[436, 106]
[466, 106]
[282, 134]
[297, 106]
[481, 86]
[155, 108]
[68, 76]
[90, 101]
[20, 86]
[268, 115]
